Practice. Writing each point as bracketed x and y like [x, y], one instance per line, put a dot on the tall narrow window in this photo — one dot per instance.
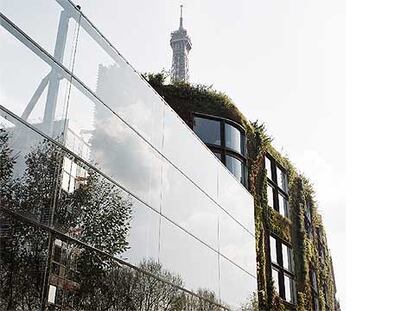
[277, 184]
[314, 288]
[281, 259]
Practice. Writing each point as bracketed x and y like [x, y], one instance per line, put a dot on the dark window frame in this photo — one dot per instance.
[272, 181]
[222, 149]
[281, 270]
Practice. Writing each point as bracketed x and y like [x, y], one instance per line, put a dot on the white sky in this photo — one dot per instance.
[282, 62]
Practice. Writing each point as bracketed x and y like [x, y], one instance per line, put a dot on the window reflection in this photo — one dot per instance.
[268, 166]
[236, 167]
[270, 197]
[234, 139]
[283, 205]
[281, 179]
[208, 130]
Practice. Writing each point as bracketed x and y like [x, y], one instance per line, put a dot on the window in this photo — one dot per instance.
[208, 130]
[314, 289]
[226, 140]
[234, 139]
[72, 176]
[308, 219]
[281, 259]
[277, 184]
[236, 167]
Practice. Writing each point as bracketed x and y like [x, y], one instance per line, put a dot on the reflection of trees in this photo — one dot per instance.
[96, 213]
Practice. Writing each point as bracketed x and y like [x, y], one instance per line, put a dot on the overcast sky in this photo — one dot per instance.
[281, 61]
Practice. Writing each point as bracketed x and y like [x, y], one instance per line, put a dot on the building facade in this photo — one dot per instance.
[108, 200]
[294, 267]
[124, 193]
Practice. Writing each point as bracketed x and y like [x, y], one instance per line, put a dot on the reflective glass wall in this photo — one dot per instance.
[102, 183]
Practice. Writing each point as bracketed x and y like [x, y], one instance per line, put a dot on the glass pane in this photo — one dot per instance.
[189, 261]
[208, 130]
[236, 167]
[289, 289]
[123, 91]
[40, 98]
[48, 23]
[236, 243]
[273, 252]
[236, 200]
[234, 139]
[287, 257]
[24, 255]
[112, 146]
[281, 179]
[188, 206]
[189, 154]
[268, 167]
[236, 286]
[275, 278]
[270, 196]
[283, 206]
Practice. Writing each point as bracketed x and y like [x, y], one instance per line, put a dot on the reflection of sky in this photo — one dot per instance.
[120, 153]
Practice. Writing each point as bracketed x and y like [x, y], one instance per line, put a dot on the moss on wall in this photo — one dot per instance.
[187, 99]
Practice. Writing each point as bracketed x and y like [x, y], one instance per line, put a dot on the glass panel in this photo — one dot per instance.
[188, 206]
[236, 167]
[30, 174]
[23, 251]
[189, 154]
[46, 22]
[268, 167]
[40, 97]
[273, 252]
[236, 243]
[283, 205]
[281, 179]
[236, 286]
[123, 90]
[270, 196]
[208, 130]
[189, 261]
[234, 139]
[287, 257]
[113, 146]
[236, 200]
[289, 289]
[275, 278]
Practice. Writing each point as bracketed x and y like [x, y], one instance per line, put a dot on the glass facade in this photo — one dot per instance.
[226, 140]
[101, 204]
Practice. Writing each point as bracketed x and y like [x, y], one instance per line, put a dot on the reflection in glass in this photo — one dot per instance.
[287, 257]
[236, 167]
[283, 205]
[273, 251]
[281, 179]
[270, 196]
[268, 167]
[289, 289]
[275, 278]
[208, 130]
[234, 139]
